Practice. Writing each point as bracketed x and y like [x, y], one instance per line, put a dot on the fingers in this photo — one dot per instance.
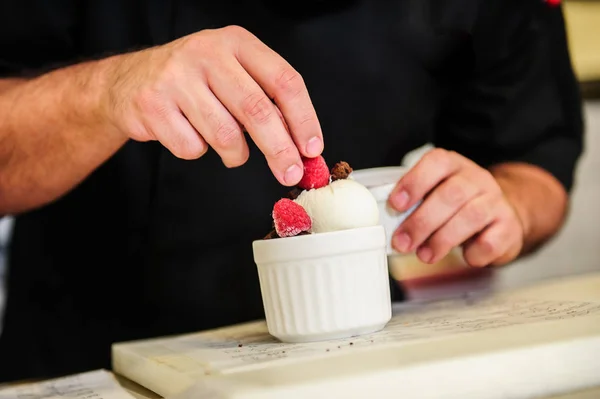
[216, 125]
[472, 218]
[462, 205]
[165, 122]
[496, 245]
[432, 168]
[223, 81]
[286, 87]
[249, 104]
[437, 209]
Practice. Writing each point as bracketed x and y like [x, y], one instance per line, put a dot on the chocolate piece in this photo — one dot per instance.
[340, 171]
[272, 234]
[294, 193]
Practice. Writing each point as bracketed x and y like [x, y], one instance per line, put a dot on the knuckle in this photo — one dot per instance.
[137, 131]
[453, 193]
[441, 243]
[234, 30]
[308, 119]
[258, 108]
[149, 102]
[167, 78]
[189, 149]
[283, 151]
[203, 49]
[417, 223]
[171, 65]
[436, 154]
[239, 160]
[477, 213]
[486, 176]
[243, 159]
[289, 82]
[226, 134]
[491, 183]
[475, 261]
[199, 43]
[438, 158]
[451, 153]
[488, 246]
[495, 189]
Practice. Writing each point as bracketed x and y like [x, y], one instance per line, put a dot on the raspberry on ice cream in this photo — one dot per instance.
[316, 173]
[324, 201]
[290, 219]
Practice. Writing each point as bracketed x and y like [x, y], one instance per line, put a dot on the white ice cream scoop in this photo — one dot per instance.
[341, 205]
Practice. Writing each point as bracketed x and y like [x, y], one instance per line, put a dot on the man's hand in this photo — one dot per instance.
[205, 89]
[189, 94]
[463, 204]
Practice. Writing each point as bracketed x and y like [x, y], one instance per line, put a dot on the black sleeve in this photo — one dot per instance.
[36, 35]
[520, 100]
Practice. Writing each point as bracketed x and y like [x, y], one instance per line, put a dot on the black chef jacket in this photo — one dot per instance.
[150, 244]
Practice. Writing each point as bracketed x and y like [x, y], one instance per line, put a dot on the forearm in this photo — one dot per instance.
[52, 134]
[538, 198]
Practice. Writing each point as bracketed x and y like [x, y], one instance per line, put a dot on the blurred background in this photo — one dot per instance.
[576, 249]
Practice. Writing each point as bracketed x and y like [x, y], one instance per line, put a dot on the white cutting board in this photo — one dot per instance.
[529, 343]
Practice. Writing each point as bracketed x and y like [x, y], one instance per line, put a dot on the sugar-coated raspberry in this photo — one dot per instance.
[316, 173]
[290, 218]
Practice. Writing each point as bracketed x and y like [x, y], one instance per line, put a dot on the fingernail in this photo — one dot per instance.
[292, 175]
[400, 200]
[402, 242]
[314, 146]
[425, 254]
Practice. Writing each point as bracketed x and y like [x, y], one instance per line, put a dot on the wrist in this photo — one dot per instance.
[101, 82]
[538, 199]
[78, 99]
[511, 189]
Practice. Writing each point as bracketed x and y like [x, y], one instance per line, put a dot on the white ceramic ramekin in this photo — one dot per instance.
[380, 182]
[324, 286]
